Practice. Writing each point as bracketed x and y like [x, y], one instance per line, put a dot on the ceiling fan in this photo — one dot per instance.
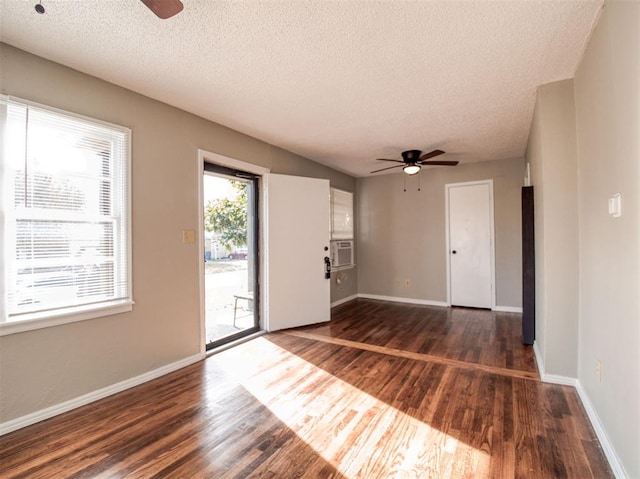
[164, 8]
[412, 161]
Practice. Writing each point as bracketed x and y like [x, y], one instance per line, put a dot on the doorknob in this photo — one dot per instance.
[453, 252]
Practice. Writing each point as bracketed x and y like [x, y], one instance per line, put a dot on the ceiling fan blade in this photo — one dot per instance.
[431, 154]
[383, 169]
[384, 159]
[164, 8]
[439, 163]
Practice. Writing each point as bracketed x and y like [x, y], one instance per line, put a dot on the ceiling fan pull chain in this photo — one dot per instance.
[419, 183]
[404, 177]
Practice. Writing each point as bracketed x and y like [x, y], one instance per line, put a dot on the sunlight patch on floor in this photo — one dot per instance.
[305, 400]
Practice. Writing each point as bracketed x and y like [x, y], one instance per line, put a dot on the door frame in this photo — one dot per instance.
[492, 259]
[263, 270]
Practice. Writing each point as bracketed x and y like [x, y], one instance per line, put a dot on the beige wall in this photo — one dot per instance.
[607, 98]
[45, 367]
[584, 147]
[532, 157]
[551, 154]
[348, 286]
[401, 235]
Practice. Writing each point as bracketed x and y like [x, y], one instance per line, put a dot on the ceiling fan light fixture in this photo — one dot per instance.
[411, 169]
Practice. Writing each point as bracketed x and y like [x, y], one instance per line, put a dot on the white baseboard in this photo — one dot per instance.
[551, 378]
[74, 403]
[396, 299]
[428, 302]
[507, 309]
[607, 447]
[561, 380]
[539, 361]
[344, 300]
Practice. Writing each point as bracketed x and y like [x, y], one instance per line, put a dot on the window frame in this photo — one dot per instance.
[64, 315]
[332, 226]
[351, 237]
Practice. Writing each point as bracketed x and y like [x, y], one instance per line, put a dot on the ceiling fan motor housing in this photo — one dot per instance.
[411, 156]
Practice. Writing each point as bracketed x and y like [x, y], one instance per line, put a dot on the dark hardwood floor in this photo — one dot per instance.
[383, 391]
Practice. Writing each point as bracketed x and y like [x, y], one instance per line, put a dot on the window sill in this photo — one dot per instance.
[62, 317]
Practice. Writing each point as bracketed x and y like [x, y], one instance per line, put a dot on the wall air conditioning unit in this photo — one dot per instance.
[341, 254]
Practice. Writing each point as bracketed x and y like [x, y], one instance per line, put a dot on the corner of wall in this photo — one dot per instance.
[552, 153]
[607, 446]
[594, 419]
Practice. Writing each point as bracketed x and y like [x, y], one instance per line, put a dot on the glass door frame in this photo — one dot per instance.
[253, 201]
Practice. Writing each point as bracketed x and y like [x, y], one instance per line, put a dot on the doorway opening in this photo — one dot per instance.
[231, 266]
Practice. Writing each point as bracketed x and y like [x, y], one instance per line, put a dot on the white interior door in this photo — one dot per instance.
[470, 218]
[298, 232]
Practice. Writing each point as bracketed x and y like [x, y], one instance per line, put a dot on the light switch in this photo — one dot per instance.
[615, 206]
[188, 236]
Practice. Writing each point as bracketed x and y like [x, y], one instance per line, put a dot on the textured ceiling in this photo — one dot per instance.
[339, 82]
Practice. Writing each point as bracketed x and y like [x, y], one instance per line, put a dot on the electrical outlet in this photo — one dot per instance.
[398, 282]
[599, 370]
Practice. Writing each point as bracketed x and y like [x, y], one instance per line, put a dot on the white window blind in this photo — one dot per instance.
[341, 214]
[66, 212]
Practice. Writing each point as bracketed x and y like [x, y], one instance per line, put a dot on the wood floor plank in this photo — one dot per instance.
[382, 391]
[416, 356]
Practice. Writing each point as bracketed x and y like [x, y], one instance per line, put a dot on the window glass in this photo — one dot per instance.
[65, 204]
[341, 214]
